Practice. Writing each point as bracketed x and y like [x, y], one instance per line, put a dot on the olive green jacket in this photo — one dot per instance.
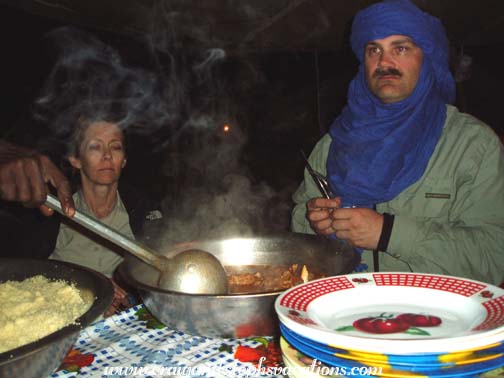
[451, 221]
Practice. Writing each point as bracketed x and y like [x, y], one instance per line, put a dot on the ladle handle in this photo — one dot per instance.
[142, 252]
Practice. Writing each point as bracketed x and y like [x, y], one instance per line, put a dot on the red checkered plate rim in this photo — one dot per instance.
[399, 313]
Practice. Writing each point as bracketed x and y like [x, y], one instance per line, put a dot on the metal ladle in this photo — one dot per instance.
[192, 271]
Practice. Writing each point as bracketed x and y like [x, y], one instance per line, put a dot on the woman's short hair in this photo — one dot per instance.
[76, 136]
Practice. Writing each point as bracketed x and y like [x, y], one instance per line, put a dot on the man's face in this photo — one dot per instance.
[392, 67]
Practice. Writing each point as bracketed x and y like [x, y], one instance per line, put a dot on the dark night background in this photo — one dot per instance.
[283, 101]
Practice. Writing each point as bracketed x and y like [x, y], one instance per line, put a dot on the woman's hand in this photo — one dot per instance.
[119, 300]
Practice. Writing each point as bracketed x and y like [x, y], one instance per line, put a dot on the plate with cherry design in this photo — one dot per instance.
[395, 313]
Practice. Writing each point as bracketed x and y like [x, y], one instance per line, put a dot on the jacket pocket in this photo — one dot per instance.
[432, 198]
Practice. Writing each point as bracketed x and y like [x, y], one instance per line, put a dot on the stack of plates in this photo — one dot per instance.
[392, 325]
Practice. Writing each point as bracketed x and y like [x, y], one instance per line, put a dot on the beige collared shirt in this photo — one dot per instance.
[77, 245]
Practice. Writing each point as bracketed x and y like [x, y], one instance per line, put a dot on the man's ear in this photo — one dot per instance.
[75, 162]
[123, 163]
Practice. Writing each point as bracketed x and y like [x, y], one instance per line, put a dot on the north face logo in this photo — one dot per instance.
[153, 215]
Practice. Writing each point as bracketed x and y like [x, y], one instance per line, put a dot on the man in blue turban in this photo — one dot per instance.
[417, 184]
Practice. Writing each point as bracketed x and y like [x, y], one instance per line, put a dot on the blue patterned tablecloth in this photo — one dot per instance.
[125, 345]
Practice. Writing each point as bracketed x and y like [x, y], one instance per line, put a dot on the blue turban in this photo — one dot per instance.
[379, 149]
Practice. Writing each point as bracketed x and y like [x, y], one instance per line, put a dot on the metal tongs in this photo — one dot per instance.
[320, 179]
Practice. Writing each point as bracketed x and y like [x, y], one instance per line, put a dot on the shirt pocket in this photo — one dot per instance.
[431, 198]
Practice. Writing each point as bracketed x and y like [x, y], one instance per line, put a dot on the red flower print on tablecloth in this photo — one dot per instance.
[75, 360]
[269, 350]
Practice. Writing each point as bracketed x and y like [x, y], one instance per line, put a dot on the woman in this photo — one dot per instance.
[97, 152]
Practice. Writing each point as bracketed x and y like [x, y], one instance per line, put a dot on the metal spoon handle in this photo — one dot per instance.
[144, 253]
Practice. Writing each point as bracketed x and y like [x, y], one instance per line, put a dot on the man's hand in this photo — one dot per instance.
[360, 227]
[319, 214]
[24, 175]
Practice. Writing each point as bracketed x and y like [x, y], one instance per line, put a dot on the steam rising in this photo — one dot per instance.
[184, 97]
[90, 80]
[237, 210]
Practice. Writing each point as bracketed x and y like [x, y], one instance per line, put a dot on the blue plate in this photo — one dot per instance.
[469, 370]
[431, 361]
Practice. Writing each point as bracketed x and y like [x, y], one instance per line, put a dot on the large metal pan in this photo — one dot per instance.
[237, 315]
[42, 357]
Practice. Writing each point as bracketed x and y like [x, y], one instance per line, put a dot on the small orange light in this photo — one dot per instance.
[226, 128]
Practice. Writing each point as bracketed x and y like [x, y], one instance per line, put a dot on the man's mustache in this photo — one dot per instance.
[387, 72]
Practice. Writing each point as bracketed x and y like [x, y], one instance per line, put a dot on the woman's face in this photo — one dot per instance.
[101, 153]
